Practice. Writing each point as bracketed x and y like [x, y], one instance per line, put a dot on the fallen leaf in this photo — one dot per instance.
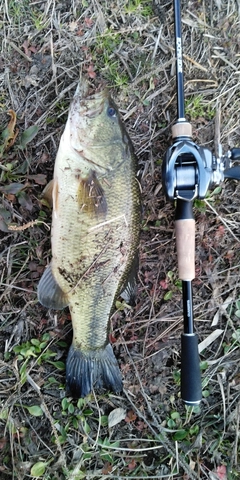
[88, 21]
[73, 26]
[132, 464]
[3, 226]
[40, 178]
[9, 135]
[116, 416]
[12, 188]
[90, 71]
[25, 46]
[112, 338]
[5, 218]
[220, 472]
[209, 339]
[3, 441]
[131, 416]
[28, 135]
[25, 201]
[164, 284]
[107, 468]
[38, 469]
[35, 410]
[140, 425]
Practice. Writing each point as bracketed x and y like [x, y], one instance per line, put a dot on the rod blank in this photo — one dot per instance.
[179, 61]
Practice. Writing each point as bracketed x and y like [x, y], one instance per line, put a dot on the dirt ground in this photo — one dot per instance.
[146, 432]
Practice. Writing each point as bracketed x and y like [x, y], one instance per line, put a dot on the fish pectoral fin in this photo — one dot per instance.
[50, 295]
[47, 193]
[91, 197]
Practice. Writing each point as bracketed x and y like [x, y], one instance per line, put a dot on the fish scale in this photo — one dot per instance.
[94, 237]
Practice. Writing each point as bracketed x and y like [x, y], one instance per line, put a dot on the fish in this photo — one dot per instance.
[96, 216]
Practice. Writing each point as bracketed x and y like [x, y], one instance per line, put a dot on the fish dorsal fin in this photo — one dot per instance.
[50, 295]
[91, 197]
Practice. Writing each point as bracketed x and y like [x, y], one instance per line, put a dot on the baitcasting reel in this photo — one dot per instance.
[189, 171]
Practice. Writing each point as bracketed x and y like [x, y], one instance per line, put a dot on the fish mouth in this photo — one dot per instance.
[89, 102]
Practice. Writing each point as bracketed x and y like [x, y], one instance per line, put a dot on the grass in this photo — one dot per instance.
[129, 45]
[197, 108]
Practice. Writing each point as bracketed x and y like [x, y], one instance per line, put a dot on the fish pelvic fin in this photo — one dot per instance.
[93, 369]
[91, 197]
[50, 295]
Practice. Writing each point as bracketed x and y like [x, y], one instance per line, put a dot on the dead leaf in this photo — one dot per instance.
[28, 49]
[221, 472]
[3, 226]
[132, 464]
[209, 339]
[40, 178]
[25, 46]
[73, 26]
[90, 71]
[25, 201]
[131, 416]
[141, 425]
[107, 468]
[12, 188]
[9, 135]
[116, 416]
[3, 441]
[88, 21]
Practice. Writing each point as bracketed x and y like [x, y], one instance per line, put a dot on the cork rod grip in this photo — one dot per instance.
[185, 240]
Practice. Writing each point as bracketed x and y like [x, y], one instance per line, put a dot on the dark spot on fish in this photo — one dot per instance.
[67, 276]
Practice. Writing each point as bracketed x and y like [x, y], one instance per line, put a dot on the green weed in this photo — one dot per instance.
[37, 349]
[141, 6]
[174, 284]
[197, 107]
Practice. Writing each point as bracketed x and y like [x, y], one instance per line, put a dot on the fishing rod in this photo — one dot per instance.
[188, 172]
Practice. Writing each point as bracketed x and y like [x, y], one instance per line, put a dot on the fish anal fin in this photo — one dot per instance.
[50, 295]
[91, 197]
[55, 196]
[129, 291]
[47, 194]
[93, 369]
[50, 194]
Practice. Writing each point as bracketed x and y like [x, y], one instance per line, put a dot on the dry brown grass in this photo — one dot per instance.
[130, 46]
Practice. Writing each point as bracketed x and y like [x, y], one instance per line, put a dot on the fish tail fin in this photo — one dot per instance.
[92, 369]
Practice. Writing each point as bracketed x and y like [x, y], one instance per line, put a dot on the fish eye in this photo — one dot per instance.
[111, 112]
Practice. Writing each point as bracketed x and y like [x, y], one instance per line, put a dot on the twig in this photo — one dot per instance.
[221, 219]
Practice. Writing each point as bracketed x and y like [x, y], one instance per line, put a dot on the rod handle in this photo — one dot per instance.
[185, 240]
[191, 388]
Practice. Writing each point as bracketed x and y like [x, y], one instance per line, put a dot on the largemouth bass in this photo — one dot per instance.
[94, 236]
